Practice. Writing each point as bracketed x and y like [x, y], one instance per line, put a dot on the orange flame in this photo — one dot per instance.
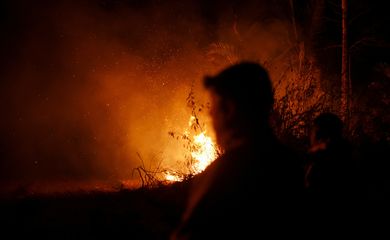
[203, 153]
[172, 177]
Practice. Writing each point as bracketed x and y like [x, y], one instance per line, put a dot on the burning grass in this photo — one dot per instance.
[200, 151]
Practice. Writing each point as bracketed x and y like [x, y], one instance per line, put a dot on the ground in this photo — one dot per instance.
[131, 214]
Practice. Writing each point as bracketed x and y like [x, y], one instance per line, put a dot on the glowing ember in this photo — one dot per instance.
[203, 152]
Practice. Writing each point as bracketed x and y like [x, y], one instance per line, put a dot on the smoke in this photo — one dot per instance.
[86, 85]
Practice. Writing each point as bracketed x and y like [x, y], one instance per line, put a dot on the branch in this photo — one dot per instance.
[363, 41]
[359, 15]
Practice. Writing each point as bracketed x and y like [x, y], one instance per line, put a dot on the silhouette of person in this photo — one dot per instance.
[330, 174]
[330, 155]
[254, 186]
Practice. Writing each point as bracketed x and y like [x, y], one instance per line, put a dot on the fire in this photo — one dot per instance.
[170, 177]
[203, 152]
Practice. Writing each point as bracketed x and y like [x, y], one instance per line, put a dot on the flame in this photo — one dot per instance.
[191, 121]
[203, 153]
[171, 177]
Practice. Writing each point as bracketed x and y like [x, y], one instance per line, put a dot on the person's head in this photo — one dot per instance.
[242, 98]
[327, 128]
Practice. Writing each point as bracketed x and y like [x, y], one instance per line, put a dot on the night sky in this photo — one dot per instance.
[86, 85]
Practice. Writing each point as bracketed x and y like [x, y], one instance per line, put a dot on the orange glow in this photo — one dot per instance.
[203, 152]
[171, 177]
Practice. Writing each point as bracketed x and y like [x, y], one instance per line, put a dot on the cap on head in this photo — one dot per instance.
[246, 83]
[329, 126]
